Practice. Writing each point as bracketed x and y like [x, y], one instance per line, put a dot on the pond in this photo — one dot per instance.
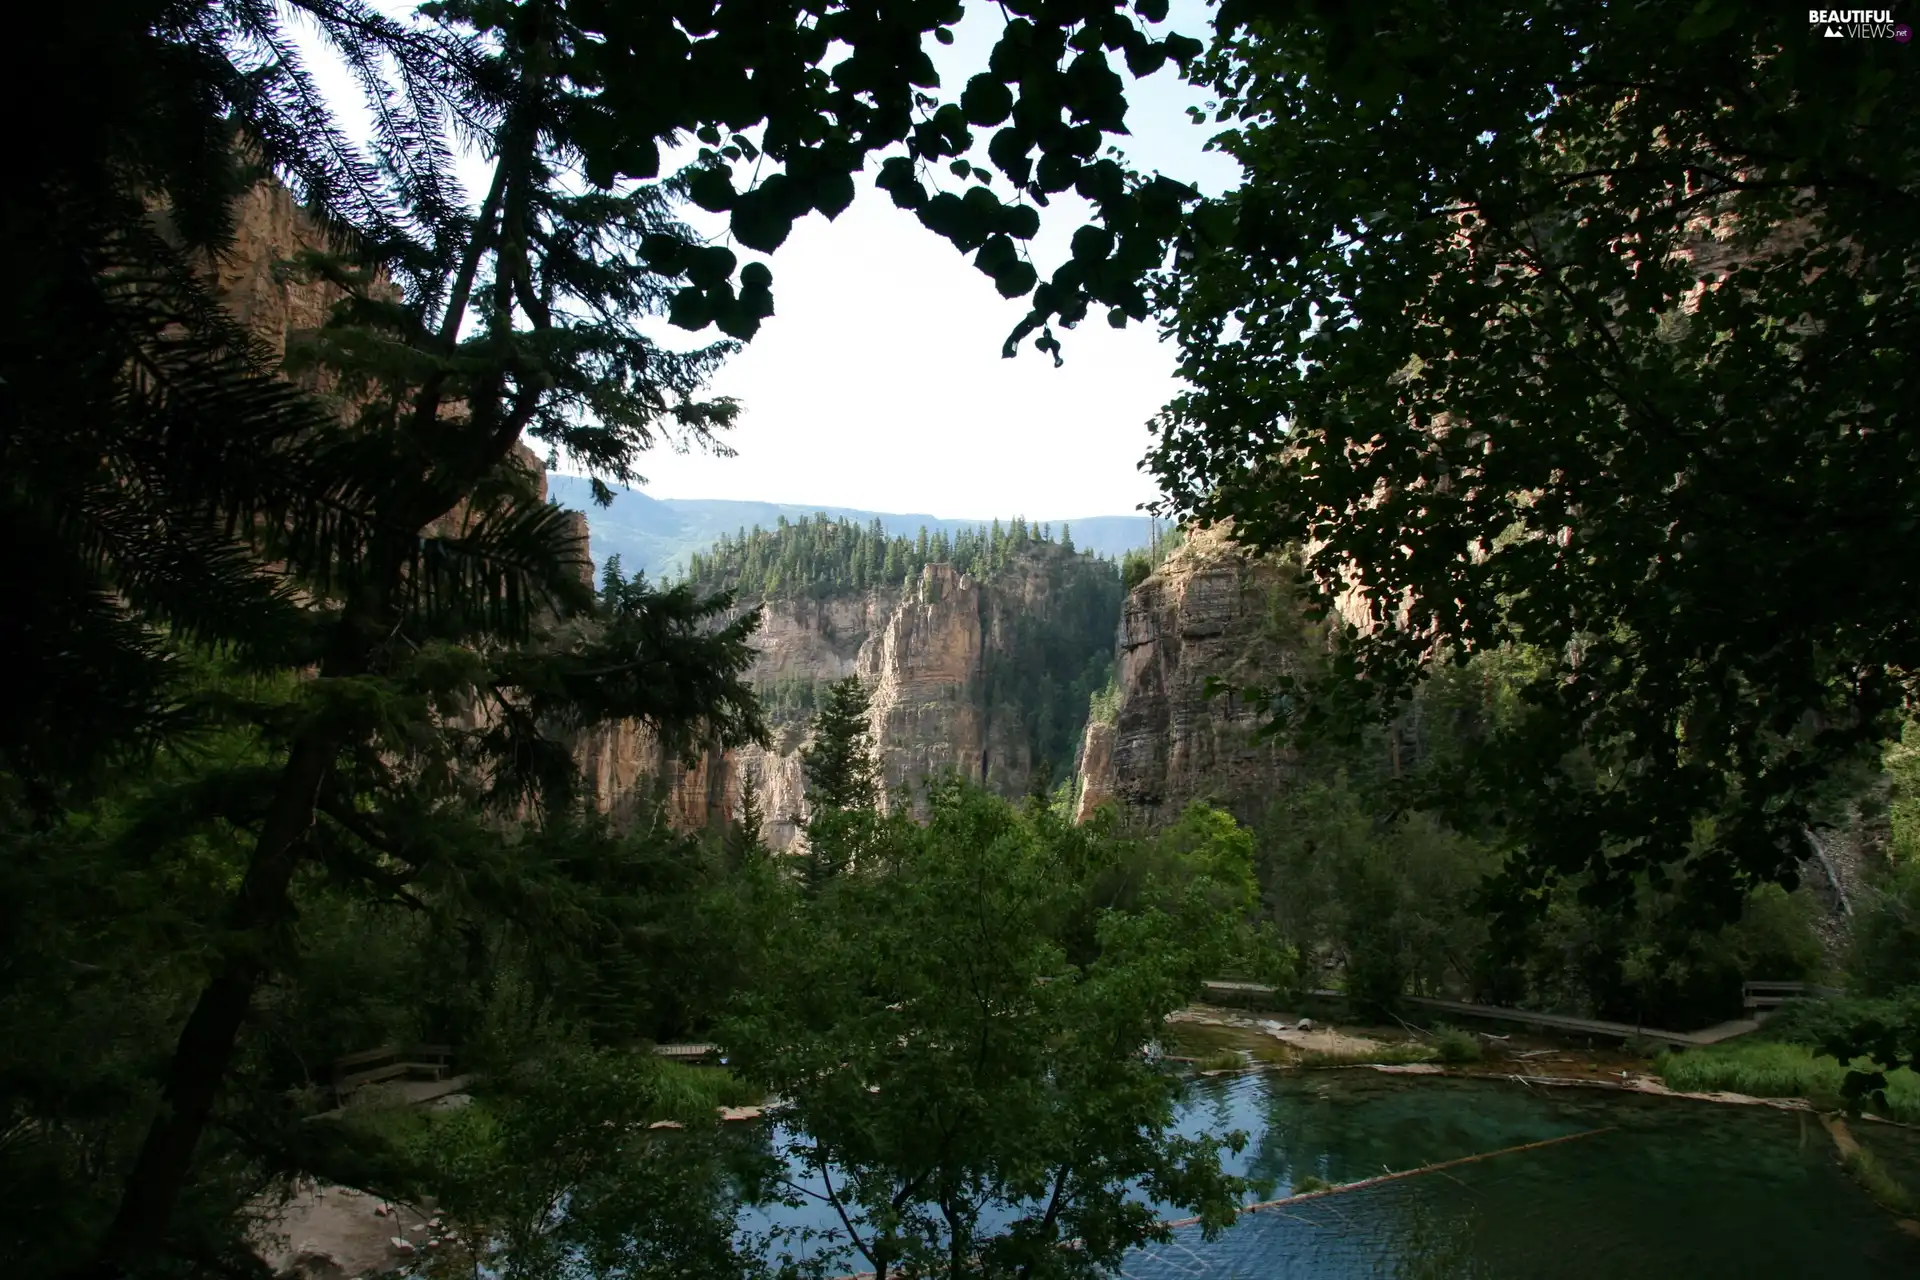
[1674, 1187]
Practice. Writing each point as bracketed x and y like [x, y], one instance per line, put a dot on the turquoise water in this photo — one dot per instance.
[1677, 1189]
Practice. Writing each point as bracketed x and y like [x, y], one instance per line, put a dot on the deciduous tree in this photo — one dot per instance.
[1583, 326]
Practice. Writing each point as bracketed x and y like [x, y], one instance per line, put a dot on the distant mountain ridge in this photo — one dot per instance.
[658, 534]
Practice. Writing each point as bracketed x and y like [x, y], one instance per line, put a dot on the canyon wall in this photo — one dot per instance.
[1210, 610]
[933, 652]
[927, 653]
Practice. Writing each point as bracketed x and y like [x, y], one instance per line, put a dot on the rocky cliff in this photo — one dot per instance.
[943, 657]
[1209, 610]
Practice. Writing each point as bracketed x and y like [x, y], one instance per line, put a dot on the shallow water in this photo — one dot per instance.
[1678, 1188]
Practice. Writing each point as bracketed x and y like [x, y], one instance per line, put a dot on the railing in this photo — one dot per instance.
[390, 1062]
[1771, 995]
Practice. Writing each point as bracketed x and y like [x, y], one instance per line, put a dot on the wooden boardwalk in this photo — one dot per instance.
[1528, 1017]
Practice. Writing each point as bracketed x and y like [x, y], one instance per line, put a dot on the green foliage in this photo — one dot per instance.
[839, 764]
[1883, 954]
[411, 798]
[1104, 706]
[745, 842]
[1876, 1037]
[1377, 863]
[1901, 762]
[1048, 92]
[1199, 869]
[1136, 565]
[1550, 307]
[559, 1166]
[818, 557]
[1656, 961]
[958, 1030]
[1048, 661]
[1391, 900]
[843, 784]
[1880, 1183]
[1455, 1047]
[114, 915]
[1767, 1068]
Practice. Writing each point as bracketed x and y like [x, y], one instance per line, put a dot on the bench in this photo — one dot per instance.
[391, 1062]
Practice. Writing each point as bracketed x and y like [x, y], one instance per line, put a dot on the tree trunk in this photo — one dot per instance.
[207, 1042]
[205, 1048]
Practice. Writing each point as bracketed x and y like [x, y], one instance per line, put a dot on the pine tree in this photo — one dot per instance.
[838, 763]
[746, 835]
[843, 787]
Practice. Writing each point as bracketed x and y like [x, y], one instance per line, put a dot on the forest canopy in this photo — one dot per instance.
[817, 556]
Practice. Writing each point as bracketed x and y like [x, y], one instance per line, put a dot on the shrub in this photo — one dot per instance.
[1884, 956]
[1456, 1047]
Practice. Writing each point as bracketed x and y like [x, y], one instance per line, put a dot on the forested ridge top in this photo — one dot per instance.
[658, 535]
[821, 556]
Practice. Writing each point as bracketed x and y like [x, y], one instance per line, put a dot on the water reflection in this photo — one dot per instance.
[1678, 1188]
[1675, 1188]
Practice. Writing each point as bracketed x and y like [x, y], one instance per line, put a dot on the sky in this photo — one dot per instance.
[878, 382]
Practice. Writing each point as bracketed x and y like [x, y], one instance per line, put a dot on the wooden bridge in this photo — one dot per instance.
[1761, 998]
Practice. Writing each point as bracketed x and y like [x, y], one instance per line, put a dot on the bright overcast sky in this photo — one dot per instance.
[879, 383]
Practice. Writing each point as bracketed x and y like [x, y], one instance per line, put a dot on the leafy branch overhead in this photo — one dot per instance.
[830, 87]
[1589, 331]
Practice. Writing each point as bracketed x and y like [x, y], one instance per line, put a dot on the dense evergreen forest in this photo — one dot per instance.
[1046, 661]
[818, 556]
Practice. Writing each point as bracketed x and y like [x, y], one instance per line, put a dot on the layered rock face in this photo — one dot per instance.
[270, 230]
[800, 643]
[926, 653]
[1210, 610]
[278, 305]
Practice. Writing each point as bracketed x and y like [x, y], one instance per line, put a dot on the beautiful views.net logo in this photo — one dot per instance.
[1859, 24]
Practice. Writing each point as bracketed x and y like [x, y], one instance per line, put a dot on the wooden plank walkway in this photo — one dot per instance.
[1528, 1017]
[1587, 1026]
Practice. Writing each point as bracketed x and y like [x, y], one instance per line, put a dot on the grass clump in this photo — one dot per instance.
[1887, 1191]
[1222, 1060]
[1775, 1069]
[1203, 1041]
[1455, 1047]
[1399, 1053]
